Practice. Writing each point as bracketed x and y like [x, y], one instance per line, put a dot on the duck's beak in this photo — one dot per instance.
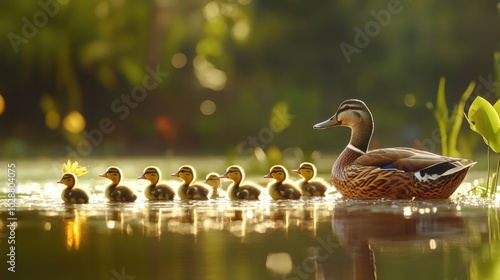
[296, 171]
[328, 123]
[268, 175]
[224, 175]
[176, 174]
[59, 182]
[141, 177]
[103, 175]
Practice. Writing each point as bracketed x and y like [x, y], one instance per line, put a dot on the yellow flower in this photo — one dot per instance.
[74, 168]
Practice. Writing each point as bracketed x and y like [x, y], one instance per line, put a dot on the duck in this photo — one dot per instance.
[155, 191]
[309, 184]
[212, 179]
[397, 173]
[280, 188]
[71, 194]
[115, 191]
[238, 190]
[188, 189]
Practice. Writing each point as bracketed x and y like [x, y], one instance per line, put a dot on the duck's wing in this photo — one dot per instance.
[406, 159]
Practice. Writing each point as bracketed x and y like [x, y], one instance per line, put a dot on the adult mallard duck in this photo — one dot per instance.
[213, 180]
[399, 173]
[155, 191]
[114, 191]
[188, 189]
[279, 188]
[71, 194]
[309, 185]
[238, 190]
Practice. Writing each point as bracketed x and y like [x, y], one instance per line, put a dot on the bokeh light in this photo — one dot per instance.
[409, 100]
[2, 104]
[179, 60]
[74, 122]
[209, 76]
[208, 107]
[241, 30]
[52, 119]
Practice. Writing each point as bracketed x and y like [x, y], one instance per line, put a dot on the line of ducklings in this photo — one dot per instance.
[240, 189]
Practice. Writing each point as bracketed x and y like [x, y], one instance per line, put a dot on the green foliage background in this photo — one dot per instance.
[89, 53]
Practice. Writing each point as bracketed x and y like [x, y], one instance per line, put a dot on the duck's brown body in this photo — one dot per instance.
[399, 173]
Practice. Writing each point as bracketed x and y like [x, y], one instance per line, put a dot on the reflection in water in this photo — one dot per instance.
[321, 239]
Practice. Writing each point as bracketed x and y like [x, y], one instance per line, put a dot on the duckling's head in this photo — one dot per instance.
[113, 173]
[152, 174]
[213, 180]
[277, 172]
[351, 113]
[186, 173]
[307, 170]
[234, 173]
[68, 179]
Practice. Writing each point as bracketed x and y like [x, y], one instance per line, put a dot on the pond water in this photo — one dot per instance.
[328, 238]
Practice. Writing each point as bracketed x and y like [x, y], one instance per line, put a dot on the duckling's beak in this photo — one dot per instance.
[224, 175]
[296, 171]
[59, 182]
[328, 123]
[268, 175]
[176, 174]
[103, 175]
[141, 177]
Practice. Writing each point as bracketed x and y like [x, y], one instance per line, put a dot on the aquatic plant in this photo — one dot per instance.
[449, 124]
[484, 119]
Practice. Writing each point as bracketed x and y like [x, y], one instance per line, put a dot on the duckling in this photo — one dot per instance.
[188, 189]
[238, 190]
[156, 191]
[308, 184]
[71, 194]
[213, 180]
[115, 192]
[279, 189]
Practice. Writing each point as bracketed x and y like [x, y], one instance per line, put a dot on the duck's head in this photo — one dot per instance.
[152, 174]
[68, 179]
[351, 113]
[113, 173]
[306, 170]
[213, 180]
[186, 173]
[278, 173]
[234, 173]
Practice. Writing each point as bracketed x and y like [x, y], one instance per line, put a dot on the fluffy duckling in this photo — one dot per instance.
[279, 189]
[188, 189]
[71, 194]
[156, 191]
[213, 180]
[238, 190]
[115, 192]
[308, 184]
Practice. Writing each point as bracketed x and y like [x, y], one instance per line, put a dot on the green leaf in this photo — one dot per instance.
[484, 119]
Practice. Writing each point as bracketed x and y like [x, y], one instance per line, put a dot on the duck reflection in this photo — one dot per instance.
[74, 228]
[364, 234]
